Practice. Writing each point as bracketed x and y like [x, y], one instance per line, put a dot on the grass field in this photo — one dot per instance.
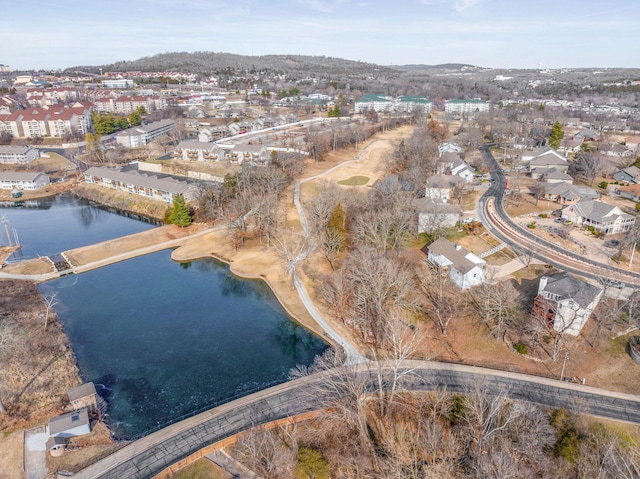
[355, 181]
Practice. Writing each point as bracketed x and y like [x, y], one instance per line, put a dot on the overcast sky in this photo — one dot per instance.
[491, 33]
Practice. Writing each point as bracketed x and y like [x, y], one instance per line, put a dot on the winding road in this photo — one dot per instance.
[154, 453]
[494, 217]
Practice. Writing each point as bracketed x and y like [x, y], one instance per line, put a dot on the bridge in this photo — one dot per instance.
[152, 454]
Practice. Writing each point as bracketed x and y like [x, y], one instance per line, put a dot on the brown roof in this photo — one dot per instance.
[79, 392]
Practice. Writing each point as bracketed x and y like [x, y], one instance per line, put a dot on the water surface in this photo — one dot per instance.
[164, 339]
[52, 225]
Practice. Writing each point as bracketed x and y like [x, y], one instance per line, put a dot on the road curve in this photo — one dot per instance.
[154, 453]
[494, 217]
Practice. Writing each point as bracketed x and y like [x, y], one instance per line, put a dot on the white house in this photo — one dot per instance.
[461, 169]
[72, 424]
[20, 180]
[18, 154]
[439, 187]
[433, 216]
[198, 151]
[465, 268]
[565, 302]
[141, 135]
[607, 219]
[466, 106]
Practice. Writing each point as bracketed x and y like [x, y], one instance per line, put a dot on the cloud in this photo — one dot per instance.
[458, 5]
[462, 5]
[323, 6]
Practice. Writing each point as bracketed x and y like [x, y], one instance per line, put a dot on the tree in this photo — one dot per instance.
[497, 304]
[587, 165]
[180, 214]
[440, 296]
[50, 301]
[334, 112]
[311, 465]
[556, 135]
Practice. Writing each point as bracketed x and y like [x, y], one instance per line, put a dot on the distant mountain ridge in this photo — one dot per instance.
[441, 66]
[212, 62]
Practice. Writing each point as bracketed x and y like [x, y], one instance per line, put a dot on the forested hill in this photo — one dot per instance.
[212, 62]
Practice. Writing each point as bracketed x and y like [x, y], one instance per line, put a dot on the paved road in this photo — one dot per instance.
[494, 217]
[154, 453]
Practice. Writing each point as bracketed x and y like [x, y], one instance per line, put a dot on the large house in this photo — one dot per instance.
[606, 219]
[150, 185]
[631, 174]
[441, 187]
[20, 180]
[433, 216]
[465, 268]
[18, 154]
[547, 161]
[141, 135]
[386, 104]
[568, 194]
[565, 302]
[198, 151]
[466, 106]
[631, 192]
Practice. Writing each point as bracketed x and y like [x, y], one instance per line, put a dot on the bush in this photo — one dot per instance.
[591, 228]
[543, 215]
[603, 185]
[311, 464]
[532, 225]
[521, 348]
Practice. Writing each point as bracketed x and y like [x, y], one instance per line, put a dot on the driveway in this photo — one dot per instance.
[35, 451]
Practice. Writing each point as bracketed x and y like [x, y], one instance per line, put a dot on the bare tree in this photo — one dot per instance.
[292, 248]
[50, 301]
[588, 165]
[498, 305]
[441, 300]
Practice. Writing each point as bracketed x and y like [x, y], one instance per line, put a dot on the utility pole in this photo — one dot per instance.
[564, 363]
[632, 252]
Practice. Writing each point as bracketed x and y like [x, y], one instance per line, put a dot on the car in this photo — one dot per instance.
[611, 243]
[558, 220]
[470, 220]
[492, 180]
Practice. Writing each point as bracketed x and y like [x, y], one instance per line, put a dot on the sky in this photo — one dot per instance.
[40, 34]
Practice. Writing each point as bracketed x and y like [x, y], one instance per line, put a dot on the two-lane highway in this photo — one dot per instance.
[493, 215]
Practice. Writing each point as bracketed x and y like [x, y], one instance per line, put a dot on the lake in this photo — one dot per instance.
[49, 226]
[161, 340]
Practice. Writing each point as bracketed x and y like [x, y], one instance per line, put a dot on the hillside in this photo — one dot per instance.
[213, 62]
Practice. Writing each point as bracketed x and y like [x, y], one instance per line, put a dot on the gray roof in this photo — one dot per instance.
[84, 390]
[632, 171]
[547, 159]
[68, 421]
[454, 253]
[597, 210]
[569, 287]
[556, 174]
[444, 181]
[15, 150]
[197, 145]
[151, 127]
[154, 181]
[428, 206]
[20, 175]
[569, 191]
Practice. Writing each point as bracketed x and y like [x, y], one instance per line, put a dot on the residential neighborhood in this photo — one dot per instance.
[474, 220]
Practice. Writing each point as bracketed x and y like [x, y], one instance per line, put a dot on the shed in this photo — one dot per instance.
[83, 396]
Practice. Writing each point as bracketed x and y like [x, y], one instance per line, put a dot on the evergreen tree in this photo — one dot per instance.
[180, 213]
[556, 135]
[334, 112]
